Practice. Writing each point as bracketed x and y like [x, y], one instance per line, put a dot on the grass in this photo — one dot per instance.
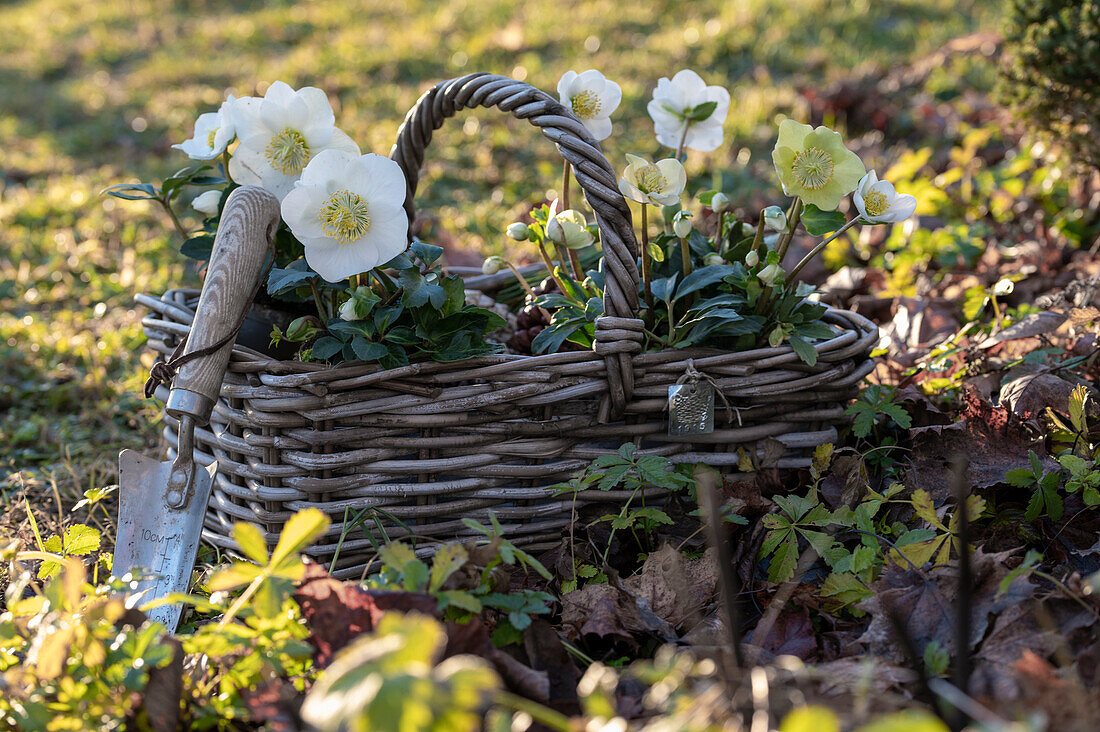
[94, 93]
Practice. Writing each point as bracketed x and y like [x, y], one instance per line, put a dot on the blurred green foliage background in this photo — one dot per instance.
[94, 93]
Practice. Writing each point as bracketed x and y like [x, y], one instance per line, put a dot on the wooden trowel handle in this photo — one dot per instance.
[241, 249]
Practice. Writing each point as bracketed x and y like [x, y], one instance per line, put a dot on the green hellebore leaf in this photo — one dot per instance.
[818, 222]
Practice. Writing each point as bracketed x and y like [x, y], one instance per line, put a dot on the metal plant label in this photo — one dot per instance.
[691, 408]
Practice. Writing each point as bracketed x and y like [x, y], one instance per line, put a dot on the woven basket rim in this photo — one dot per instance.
[168, 305]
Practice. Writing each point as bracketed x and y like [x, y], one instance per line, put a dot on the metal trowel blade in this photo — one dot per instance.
[160, 541]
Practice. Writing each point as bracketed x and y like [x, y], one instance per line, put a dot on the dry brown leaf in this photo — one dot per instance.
[676, 587]
[925, 601]
[1028, 327]
[875, 674]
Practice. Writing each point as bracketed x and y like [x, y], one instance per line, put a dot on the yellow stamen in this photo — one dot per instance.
[812, 167]
[210, 136]
[650, 179]
[875, 203]
[288, 152]
[586, 104]
[344, 217]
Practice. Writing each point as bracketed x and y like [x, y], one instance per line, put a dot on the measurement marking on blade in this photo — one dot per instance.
[164, 543]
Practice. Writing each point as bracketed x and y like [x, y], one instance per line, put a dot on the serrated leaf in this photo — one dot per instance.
[925, 509]
[1034, 506]
[448, 559]
[1020, 477]
[298, 533]
[784, 561]
[845, 588]
[416, 576]
[251, 542]
[805, 351]
[1077, 401]
[918, 553]
[655, 515]
[81, 540]
[462, 600]
[622, 522]
[236, 575]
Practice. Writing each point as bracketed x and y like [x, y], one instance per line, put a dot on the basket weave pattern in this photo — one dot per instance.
[416, 449]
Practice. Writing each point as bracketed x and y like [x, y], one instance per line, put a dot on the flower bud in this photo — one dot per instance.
[347, 311]
[207, 203]
[569, 229]
[775, 218]
[1003, 287]
[769, 274]
[681, 225]
[712, 259]
[752, 258]
[492, 265]
[301, 329]
[719, 202]
[517, 231]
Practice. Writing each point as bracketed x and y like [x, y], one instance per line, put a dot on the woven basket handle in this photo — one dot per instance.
[619, 332]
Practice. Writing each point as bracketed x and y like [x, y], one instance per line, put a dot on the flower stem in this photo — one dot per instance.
[545, 716]
[551, 269]
[175, 219]
[758, 239]
[685, 256]
[575, 264]
[645, 262]
[683, 139]
[322, 311]
[794, 215]
[817, 249]
[998, 322]
[565, 186]
[526, 288]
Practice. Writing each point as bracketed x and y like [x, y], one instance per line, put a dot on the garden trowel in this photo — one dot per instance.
[162, 504]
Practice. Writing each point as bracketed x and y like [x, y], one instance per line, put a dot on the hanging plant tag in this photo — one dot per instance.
[691, 409]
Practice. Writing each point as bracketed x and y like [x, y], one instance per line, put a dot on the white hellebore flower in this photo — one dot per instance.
[281, 133]
[712, 259]
[207, 203]
[775, 218]
[752, 258]
[878, 203]
[1003, 287]
[347, 210]
[213, 133]
[568, 228]
[719, 202]
[678, 104]
[659, 183]
[592, 98]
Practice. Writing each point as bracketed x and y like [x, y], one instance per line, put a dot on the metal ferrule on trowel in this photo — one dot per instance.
[162, 504]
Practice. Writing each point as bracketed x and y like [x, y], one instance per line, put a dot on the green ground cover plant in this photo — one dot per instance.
[989, 332]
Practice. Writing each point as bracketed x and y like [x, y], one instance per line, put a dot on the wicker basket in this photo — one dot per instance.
[423, 446]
